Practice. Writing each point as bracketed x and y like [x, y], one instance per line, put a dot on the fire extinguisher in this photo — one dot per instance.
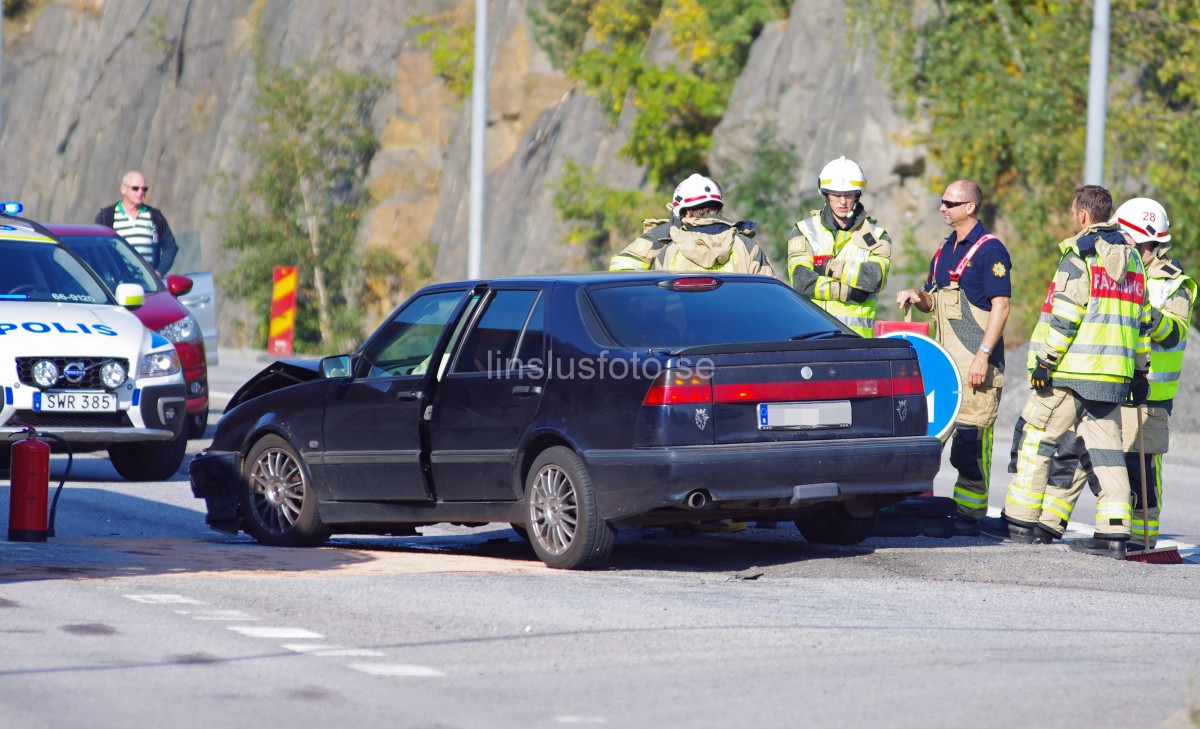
[29, 490]
[29, 487]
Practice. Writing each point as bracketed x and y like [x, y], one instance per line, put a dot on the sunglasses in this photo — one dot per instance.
[135, 188]
[952, 204]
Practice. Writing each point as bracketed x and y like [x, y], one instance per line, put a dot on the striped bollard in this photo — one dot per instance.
[283, 311]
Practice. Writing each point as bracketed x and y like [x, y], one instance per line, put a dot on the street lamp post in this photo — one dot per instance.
[478, 143]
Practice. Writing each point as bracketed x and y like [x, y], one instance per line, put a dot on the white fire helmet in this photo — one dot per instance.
[841, 175]
[1144, 220]
[695, 191]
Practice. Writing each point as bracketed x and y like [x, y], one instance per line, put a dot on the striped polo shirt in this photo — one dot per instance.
[138, 231]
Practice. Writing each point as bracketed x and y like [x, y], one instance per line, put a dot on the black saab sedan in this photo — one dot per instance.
[570, 406]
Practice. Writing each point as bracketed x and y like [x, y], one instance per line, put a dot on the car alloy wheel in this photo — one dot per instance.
[553, 509]
[563, 523]
[279, 498]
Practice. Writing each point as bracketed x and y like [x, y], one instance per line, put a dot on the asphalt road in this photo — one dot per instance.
[135, 613]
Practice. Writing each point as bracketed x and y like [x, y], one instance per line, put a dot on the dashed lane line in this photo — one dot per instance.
[397, 670]
[339, 651]
[265, 631]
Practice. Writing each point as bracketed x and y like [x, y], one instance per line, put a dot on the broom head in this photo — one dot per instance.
[1162, 555]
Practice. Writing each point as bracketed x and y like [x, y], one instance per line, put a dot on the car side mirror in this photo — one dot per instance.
[131, 296]
[178, 285]
[337, 367]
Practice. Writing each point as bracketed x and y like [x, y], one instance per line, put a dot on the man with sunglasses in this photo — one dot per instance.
[143, 227]
[968, 289]
[839, 257]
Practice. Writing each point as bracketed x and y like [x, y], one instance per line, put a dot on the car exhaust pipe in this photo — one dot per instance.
[698, 499]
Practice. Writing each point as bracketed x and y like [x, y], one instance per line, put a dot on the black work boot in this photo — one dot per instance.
[1101, 546]
[1001, 528]
[965, 526]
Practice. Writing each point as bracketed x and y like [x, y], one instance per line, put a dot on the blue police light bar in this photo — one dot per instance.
[13, 208]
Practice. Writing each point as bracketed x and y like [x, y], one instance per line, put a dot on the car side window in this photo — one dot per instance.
[491, 345]
[404, 345]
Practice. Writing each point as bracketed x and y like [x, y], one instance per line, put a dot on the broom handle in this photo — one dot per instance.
[907, 312]
[1142, 470]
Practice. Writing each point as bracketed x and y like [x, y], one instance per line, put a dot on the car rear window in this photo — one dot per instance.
[651, 316]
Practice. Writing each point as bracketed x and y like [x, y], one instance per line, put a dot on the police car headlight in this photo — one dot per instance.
[159, 364]
[184, 330]
[112, 375]
[45, 373]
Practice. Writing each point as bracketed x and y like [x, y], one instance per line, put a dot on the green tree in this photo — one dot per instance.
[765, 192]
[310, 147]
[1001, 88]
[677, 104]
[602, 219]
[450, 36]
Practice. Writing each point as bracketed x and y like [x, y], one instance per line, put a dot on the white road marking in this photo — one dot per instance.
[581, 720]
[316, 649]
[397, 669]
[164, 599]
[269, 632]
[217, 614]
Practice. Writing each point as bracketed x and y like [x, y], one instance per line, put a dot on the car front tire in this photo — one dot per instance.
[563, 523]
[834, 524]
[279, 502]
[149, 461]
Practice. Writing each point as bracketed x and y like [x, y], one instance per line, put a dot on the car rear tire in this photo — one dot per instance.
[834, 524]
[149, 461]
[197, 423]
[279, 502]
[563, 523]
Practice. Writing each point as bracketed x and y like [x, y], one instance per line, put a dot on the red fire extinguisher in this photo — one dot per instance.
[29, 490]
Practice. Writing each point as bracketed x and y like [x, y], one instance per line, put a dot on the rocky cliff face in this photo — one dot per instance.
[93, 88]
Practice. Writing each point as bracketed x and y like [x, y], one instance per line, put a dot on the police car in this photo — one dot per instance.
[76, 363]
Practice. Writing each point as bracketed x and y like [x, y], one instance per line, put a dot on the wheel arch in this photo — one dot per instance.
[536, 444]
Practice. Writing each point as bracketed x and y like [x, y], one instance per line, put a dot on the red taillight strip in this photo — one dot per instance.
[678, 395]
[814, 390]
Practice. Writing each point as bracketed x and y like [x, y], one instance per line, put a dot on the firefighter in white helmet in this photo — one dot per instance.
[698, 236]
[969, 291]
[703, 240]
[1171, 294]
[840, 257]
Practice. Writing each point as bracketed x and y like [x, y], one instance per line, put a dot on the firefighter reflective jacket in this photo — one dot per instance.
[1095, 319]
[842, 271]
[639, 255]
[1172, 294]
[711, 244]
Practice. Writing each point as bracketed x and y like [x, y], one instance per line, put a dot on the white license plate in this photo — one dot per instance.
[75, 402]
[804, 415]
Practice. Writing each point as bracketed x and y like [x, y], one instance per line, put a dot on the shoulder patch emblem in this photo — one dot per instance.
[999, 270]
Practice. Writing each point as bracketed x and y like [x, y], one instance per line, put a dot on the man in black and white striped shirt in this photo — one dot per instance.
[142, 226]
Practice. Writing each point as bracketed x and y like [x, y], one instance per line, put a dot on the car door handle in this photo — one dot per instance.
[408, 395]
[527, 390]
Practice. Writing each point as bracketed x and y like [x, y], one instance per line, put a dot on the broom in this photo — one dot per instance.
[1162, 555]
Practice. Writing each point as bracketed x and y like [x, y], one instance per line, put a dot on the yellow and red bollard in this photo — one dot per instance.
[282, 327]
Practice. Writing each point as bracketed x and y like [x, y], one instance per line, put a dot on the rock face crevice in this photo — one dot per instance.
[92, 89]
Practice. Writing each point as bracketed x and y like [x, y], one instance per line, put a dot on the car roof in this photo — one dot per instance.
[15, 228]
[79, 229]
[593, 277]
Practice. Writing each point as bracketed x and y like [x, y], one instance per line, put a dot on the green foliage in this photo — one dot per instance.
[14, 8]
[764, 192]
[1001, 88]
[560, 27]
[154, 38]
[451, 38]
[678, 105]
[603, 220]
[310, 147]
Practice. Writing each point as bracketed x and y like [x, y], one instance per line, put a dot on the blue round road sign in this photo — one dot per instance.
[943, 386]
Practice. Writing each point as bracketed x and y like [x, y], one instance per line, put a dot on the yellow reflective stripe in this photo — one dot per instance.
[970, 499]
[1058, 507]
[622, 262]
[1106, 512]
